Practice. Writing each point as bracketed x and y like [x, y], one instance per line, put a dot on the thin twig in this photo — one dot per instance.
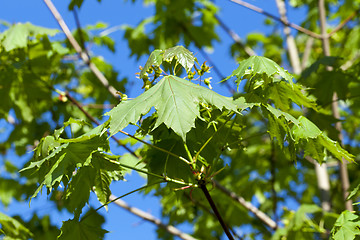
[81, 37]
[124, 195]
[342, 24]
[148, 217]
[344, 177]
[78, 105]
[99, 106]
[235, 37]
[156, 147]
[79, 50]
[306, 55]
[289, 24]
[258, 213]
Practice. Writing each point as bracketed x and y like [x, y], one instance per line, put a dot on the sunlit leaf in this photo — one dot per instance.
[176, 101]
[347, 226]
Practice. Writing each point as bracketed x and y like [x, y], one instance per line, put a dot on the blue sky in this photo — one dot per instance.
[115, 13]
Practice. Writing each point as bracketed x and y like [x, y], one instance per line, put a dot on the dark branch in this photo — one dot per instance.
[202, 186]
[286, 23]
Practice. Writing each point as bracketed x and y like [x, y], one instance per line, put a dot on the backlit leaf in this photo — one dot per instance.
[257, 65]
[176, 101]
[87, 229]
[346, 227]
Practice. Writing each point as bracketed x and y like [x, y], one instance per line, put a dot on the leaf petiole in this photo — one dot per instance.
[126, 194]
[156, 147]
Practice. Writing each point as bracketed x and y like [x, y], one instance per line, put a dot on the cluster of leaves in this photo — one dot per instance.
[248, 143]
[190, 129]
[34, 67]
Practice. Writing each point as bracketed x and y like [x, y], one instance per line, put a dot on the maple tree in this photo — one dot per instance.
[218, 163]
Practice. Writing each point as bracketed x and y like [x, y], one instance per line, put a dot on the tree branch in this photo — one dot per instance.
[290, 41]
[148, 217]
[292, 25]
[78, 48]
[259, 214]
[235, 37]
[342, 24]
[215, 210]
[323, 183]
[273, 180]
[345, 184]
[306, 55]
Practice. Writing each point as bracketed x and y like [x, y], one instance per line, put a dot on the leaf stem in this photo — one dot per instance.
[156, 147]
[126, 194]
[192, 160]
[164, 178]
[212, 136]
[202, 186]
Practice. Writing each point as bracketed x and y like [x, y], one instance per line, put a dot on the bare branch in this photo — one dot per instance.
[148, 217]
[308, 46]
[259, 214]
[345, 184]
[292, 25]
[342, 24]
[78, 48]
[235, 37]
[323, 185]
[273, 180]
[290, 41]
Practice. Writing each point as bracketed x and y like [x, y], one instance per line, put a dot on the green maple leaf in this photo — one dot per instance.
[87, 229]
[63, 160]
[78, 192]
[17, 35]
[96, 176]
[345, 226]
[257, 65]
[176, 101]
[315, 141]
[181, 54]
[284, 95]
[302, 132]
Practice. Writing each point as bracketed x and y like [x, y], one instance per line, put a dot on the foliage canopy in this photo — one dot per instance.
[218, 162]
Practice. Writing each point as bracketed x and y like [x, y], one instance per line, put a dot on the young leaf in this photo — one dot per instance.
[155, 59]
[181, 54]
[256, 65]
[176, 101]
